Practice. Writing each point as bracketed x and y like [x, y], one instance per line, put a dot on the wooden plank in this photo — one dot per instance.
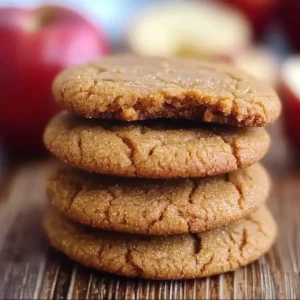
[30, 269]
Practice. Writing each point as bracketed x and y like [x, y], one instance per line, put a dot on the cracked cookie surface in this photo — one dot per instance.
[136, 88]
[157, 207]
[153, 149]
[164, 257]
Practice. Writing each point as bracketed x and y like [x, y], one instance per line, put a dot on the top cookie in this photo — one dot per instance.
[138, 88]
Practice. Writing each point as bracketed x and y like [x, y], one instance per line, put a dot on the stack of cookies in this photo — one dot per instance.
[166, 183]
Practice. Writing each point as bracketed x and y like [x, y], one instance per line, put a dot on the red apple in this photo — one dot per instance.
[259, 12]
[290, 95]
[35, 46]
[289, 16]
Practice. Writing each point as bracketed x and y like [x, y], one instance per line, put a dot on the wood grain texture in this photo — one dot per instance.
[30, 269]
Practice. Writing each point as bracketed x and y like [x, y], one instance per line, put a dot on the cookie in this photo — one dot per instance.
[157, 207]
[152, 149]
[164, 257]
[137, 88]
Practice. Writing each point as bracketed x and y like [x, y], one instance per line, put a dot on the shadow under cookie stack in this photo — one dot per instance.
[166, 183]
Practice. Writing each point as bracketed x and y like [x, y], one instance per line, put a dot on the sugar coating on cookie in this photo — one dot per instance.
[131, 88]
[153, 149]
[157, 207]
[165, 257]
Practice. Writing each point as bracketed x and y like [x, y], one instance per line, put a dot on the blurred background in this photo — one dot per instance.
[40, 38]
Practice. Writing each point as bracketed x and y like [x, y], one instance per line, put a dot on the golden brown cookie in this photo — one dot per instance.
[138, 88]
[157, 207]
[153, 149]
[164, 257]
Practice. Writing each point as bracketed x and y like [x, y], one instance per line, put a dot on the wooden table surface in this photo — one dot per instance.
[30, 269]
